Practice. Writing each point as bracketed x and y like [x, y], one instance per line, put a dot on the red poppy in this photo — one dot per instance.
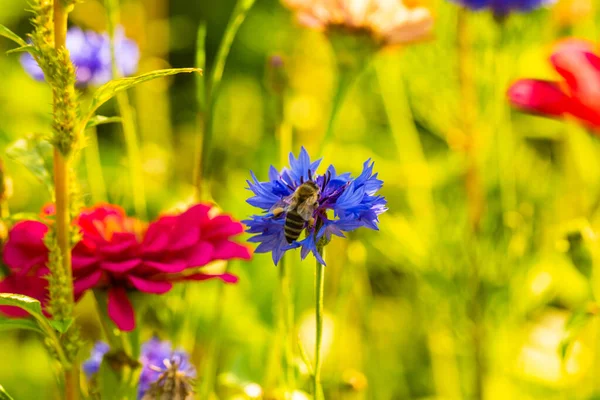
[579, 93]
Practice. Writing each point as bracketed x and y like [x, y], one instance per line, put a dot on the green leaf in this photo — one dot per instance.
[61, 326]
[101, 120]
[4, 395]
[30, 152]
[20, 323]
[201, 63]
[7, 33]
[110, 89]
[573, 328]
[23, 49]
[29, 304]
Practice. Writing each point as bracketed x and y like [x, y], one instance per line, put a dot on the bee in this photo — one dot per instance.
[299, 208]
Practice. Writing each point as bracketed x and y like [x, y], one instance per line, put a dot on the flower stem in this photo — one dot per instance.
[286, 318]
[61, 187]
[128, 122]
[93, 167]
[203, 171]
[346, 76]
[210, 363]
[319, 291]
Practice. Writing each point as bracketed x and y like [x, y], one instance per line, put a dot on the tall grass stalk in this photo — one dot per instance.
[126, 112]
[93, 166]
[475, 197]
[203, 168]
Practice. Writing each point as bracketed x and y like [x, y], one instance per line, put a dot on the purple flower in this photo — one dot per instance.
[155, 356]
[352, 203]
[90, 53]
[501, 8]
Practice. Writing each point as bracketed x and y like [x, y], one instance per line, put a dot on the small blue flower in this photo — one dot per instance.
[352, 203]
[90, 54]
[92, 364]
[155, 355]
[501, 8]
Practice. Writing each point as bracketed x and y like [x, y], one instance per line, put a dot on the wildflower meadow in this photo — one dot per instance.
[299, 199]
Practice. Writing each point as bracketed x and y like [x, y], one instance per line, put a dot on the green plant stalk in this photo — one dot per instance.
[203, 172]
[319, 292]
[209, 367]
[128, 122]
[345, 79]
[475, 198]
[93, 166]
[61, 187]
[287, 323]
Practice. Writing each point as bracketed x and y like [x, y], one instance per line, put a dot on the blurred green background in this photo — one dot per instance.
[407, 306]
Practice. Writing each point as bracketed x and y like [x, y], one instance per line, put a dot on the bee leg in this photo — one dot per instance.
[278, 211]
[311, 223]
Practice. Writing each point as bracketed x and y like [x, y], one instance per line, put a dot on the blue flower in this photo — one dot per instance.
[344, 204]
[92, 364]
[155, 356]
[501, 8]
[90, 53]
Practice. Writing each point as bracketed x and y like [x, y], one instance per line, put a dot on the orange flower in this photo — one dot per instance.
[388, 21]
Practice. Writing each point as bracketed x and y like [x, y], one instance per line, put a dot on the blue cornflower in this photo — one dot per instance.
[344, 204]
[155, 357]
[92, 364]
[502, 8]
[90, 54]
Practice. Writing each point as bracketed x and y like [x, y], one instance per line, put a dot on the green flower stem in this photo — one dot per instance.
[319, 291]
[203, 171]
[286, 318]
[210, 365]
[345, 79]
[93, 166]
[128, 122]
[61, 187]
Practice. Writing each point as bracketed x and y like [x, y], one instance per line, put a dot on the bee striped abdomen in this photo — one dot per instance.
[294, 224]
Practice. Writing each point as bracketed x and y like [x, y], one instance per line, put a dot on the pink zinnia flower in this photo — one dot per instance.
[578, 95]
[120, 254]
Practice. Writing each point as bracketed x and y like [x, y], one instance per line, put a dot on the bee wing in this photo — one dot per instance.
[306, 209]
[286, 203]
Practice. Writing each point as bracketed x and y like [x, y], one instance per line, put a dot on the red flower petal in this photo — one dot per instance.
[581, 71]
[539, 96]
[120, 309]
[200, 254]
[31, 286]
[86, 282]
[146, 286]
[222, 226]
[169, 267]
[25, 247]
[226, 250]
[156, 239]
[120, 266]
[227, 278]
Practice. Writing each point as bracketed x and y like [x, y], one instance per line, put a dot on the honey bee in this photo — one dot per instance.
[299, 208]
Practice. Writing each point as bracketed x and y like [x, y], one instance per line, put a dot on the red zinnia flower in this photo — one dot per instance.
[578, 95]
[119, 254]
[26, 256]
